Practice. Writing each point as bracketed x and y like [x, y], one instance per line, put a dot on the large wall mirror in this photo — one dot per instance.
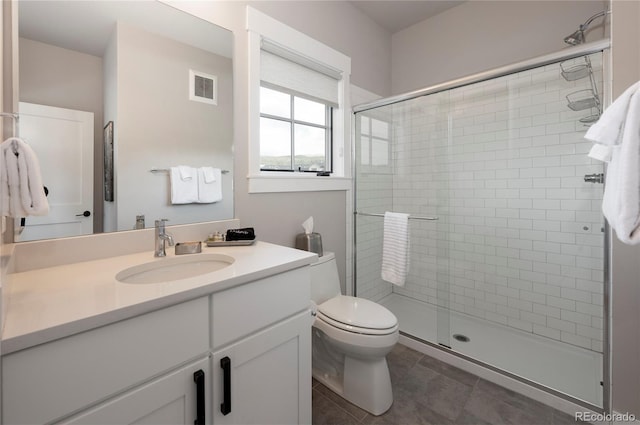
[128, 105]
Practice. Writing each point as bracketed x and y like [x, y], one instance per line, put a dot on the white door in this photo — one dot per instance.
[63, 141]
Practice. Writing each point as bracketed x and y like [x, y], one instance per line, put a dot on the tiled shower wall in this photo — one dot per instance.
[501, 163]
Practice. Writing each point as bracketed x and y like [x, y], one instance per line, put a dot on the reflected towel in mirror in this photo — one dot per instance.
[183, 191]
[209, 185]
[21, 181]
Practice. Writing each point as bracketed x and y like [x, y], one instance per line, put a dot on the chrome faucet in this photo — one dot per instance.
[161, 238]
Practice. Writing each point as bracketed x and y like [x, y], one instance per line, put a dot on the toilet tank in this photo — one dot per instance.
[325, 283]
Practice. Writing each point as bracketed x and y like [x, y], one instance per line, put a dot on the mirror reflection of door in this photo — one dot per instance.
[63, 141]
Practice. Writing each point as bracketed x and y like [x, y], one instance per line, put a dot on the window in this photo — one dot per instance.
[295, 133]
[299, 112]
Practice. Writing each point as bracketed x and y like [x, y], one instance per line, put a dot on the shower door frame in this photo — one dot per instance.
[566, 54]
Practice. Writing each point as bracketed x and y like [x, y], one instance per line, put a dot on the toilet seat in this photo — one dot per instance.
[357, 315]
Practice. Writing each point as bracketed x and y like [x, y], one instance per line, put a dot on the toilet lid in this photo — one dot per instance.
[358, 312]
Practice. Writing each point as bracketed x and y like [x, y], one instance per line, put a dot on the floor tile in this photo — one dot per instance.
[430, 392]
[326, 412]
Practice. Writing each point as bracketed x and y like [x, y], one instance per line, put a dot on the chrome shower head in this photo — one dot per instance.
[577, 37]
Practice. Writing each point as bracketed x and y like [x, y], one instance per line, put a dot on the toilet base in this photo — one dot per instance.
[364, 382]
[357, 383]
[361, 377]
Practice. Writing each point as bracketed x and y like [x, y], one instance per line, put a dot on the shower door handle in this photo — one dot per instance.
[594, 178]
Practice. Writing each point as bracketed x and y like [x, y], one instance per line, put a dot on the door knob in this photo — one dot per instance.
[84, 214]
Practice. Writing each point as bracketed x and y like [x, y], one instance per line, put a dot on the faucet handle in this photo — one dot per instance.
[160, 223]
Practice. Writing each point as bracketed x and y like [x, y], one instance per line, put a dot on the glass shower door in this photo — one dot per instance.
[527, 264]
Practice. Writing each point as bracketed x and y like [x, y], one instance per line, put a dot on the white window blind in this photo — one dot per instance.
[284, 69]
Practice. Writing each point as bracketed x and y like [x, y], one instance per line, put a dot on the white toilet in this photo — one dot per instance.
[351, 338]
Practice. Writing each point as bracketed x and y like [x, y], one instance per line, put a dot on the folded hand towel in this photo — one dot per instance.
[20, 180]
[395, 248]
[209, 174]
[209, 185]
[183, 191]
[186, 173]
[617, 138]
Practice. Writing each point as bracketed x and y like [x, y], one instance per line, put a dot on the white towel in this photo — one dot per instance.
[186, 173]
[395, 248]
[617, 138]
[209, 185]
[183, 190]
[20, 180]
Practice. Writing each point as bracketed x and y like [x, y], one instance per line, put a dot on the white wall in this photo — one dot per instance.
[481, 35]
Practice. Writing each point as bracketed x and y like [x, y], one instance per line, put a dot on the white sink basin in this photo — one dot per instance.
[175, 268]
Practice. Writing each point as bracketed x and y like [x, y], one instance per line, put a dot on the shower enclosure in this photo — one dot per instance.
[507, 238]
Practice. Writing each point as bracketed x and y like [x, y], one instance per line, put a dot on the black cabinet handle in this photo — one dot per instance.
[225, 364]
[198, 378]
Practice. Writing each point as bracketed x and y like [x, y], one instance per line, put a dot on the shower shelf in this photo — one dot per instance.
[574, 72]
[590, 119]
[582, 99]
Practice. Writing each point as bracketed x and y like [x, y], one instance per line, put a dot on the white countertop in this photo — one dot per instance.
[50, 303]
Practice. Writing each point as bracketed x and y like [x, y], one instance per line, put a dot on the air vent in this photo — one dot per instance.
[203, 87]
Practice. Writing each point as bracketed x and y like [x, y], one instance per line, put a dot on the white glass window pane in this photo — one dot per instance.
[309, 111]
[365, 142]
[275, 144]
[379, 152]
[364, 125]
[380, 129]
[310, 148]
[275, 103]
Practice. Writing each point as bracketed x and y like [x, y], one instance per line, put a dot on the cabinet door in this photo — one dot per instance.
[269, 374]
[175, 398]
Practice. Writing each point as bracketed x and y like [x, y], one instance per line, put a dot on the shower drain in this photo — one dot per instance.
[461, 338]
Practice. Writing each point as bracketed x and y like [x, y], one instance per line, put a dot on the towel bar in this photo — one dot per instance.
[382, 215]
[166, 170]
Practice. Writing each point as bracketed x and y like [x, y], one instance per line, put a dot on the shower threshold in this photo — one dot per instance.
[562, 367]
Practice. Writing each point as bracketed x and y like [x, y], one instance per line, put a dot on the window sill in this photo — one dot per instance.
[286, 182]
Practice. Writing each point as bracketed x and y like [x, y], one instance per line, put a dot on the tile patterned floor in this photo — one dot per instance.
[428, 391]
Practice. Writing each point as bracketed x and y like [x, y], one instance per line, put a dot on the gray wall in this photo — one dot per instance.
[626, 259]
[158, 126]
[481, 35]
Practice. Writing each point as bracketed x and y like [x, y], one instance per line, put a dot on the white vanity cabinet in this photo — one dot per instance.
[126, 359]
[240, 355]
[265, 376]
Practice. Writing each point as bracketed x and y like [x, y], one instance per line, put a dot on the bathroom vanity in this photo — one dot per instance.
[223, 347]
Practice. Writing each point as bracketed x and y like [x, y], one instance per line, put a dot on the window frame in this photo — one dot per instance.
[259, 27]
